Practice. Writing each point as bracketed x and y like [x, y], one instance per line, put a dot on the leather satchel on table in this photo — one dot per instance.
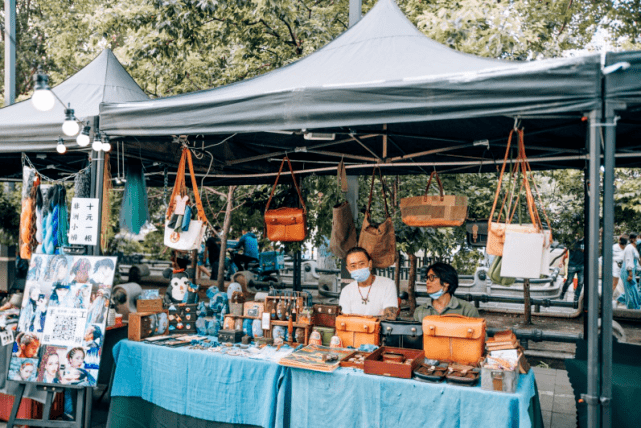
[402, 334]
[454, 338]
[378, 239]
[286, 224]
[355, 330]
[434, 210]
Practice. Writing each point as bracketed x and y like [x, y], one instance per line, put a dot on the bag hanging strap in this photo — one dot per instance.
[179, 185]
[300, 196]
[371, 192]
[341, 176]
[194, 184]
[440, 186]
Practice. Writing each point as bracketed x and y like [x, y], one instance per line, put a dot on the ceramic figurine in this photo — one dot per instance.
[315, 338]
[335, 342]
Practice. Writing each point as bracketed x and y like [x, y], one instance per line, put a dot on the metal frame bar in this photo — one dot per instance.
[592, 272]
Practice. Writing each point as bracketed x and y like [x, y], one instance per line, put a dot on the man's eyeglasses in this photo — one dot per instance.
[431, 277]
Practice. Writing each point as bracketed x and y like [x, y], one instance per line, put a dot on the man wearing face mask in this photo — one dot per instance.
[441, 283]
[368, 294]
[629, 268]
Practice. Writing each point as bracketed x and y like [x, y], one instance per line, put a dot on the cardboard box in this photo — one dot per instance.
[142, 325]
[149, 305]
[374, 363]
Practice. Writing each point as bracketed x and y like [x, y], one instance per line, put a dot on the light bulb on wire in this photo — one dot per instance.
[70, 126]
[97, 143]
[106, 146]
[61, 148]
[83, 139]
[42, 98]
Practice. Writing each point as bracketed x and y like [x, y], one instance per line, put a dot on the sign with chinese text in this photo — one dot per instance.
[83, 225]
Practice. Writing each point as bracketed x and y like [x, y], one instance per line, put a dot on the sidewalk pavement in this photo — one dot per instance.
[557, 398]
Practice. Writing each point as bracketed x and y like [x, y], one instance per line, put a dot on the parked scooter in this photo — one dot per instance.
[261, 275]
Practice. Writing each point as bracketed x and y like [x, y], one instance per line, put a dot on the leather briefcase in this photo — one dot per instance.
[325, 315]
[476, 231]
[402, 334]
[454, 338]
[286, 224]
[355, 330]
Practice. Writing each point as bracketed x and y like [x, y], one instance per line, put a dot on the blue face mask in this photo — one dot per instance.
[360, 275]
[638, 242]
[436, 295]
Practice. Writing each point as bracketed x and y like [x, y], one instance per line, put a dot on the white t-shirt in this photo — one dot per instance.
[617, 257]
[381, 294]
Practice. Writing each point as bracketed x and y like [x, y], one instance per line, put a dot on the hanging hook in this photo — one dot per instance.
[516, 123]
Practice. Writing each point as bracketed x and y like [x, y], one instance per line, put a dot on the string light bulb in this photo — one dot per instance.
[70, 126]
[83, 139]
[106, 145]
[61, 148]
[42, 97]
[97, 143]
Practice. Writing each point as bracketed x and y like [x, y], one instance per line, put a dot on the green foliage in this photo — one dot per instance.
[10, 206]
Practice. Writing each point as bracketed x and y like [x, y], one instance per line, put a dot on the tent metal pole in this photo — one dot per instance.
[594, 146]
[9, 52]
[355, 12]
[606, 293]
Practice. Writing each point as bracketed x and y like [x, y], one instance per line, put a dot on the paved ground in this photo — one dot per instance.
[555, 393]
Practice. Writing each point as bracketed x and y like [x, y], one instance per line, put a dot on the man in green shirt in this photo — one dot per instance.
[442, 282]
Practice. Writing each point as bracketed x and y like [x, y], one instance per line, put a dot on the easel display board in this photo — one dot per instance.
[62, 321]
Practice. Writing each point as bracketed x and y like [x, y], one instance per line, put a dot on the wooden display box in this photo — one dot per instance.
[347, 363]
[374, 363]
[253, 310]
[307, 327]
[271, 302]
[140, 325]
[149, 305]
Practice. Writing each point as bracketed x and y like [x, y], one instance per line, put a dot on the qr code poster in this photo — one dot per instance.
[62, 321]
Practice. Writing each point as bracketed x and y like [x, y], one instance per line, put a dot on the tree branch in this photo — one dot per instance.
[295, 42]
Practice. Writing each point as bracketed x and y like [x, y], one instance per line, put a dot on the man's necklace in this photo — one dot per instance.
[366, 298]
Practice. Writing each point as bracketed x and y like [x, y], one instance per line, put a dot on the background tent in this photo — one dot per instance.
[387, 93]
[25, 129]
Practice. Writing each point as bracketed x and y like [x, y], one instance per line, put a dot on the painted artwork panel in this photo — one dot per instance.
[63, 318]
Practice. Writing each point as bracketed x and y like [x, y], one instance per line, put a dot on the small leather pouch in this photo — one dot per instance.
[357, 330]
[402, 334]
[454, 338]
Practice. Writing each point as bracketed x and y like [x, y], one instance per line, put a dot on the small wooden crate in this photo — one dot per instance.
[140, 325]
[149, 305]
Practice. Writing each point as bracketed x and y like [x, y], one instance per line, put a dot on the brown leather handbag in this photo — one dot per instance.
[434, 210]
[454, 338]
[496, 229]
[378, 239]
[325, 315]
[355, 330]
[286, 224]
[343, 236]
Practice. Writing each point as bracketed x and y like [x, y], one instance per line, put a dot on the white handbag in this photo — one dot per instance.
[185, 241]
[522, 255]
[193, 236]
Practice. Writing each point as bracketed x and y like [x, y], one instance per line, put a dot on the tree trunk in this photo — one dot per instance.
[411, 283]
[397, 273]
[527, 308]
[223, 240]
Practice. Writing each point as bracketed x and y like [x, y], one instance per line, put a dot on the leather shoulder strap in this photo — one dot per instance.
[280, 170]
[440, 185]
[178, 185]
[194, 184]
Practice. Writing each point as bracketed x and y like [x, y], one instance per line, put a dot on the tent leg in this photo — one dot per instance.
[592, 238]
[606, 293]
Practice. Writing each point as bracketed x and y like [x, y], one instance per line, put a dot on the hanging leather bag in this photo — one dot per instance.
[191, 238]
[378, 239]
[286, 224]
[434, 210]
[510, 204]
[476, 231]
[454, 338]
[343, 236]
[355, 330]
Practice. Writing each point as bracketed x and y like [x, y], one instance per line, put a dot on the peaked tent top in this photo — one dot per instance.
[23, 128]
[382, 70]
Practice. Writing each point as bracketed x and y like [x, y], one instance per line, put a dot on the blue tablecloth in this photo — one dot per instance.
[201, 384]
[349, 398]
